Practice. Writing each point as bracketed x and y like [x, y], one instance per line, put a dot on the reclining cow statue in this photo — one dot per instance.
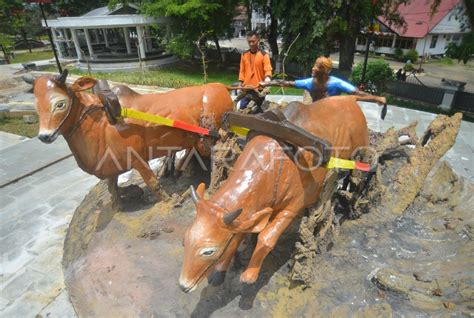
[266, 190]
[106, 150]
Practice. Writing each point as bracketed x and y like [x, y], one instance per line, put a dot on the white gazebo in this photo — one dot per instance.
[108, 40]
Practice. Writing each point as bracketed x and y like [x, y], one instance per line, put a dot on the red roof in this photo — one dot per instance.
[420, 10]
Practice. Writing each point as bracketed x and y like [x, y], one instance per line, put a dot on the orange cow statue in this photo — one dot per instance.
[106, 150]
[266, 190]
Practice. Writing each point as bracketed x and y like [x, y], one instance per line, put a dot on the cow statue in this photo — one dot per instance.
[106, 150]
[266, 190]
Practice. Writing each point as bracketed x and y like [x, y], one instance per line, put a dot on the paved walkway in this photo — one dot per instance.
[34, 215]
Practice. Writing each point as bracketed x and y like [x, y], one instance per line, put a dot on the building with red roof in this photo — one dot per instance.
[426, 32]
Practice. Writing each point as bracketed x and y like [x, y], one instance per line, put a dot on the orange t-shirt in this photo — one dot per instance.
[254, 67]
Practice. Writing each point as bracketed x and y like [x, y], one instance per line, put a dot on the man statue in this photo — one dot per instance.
[255, 65]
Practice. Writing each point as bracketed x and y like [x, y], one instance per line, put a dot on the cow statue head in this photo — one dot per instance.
[214, 237]
[54, 101]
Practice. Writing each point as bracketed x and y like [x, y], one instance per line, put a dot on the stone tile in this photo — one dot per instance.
[13, 264]
[43, 242]
[21, 190]
[20, 284]
[6, 199]
[66, 207]
[3, 303]
[59, 308]
[50, 285]
[28, 305]
[48, 261]
[18, 220]
[15, 240]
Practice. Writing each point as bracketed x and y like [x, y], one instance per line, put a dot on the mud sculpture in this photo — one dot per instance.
[266, 191]
[114, 264]
[105, 150]
[385, 194]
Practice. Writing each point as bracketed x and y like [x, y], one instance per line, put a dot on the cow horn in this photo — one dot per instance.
[196, 198]
[29, 79]
[61, 78]
[230, 217]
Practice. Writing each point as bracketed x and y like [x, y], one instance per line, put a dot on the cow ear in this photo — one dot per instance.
[254, 224]
[200, 190]
[83, 83]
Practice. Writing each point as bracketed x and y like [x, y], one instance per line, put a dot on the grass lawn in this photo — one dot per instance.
[34, 56]
[178, 77]
[18, 127]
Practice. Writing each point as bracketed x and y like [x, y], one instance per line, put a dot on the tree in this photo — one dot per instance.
[191, 19]
[19, 20]
[350, 17]
[306, 18]
[266, 7]
[465, 50]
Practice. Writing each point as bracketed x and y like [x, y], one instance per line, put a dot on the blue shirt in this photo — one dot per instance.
[335, 86]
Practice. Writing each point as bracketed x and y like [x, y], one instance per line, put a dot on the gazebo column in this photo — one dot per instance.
[96, 36]
[77, 45]
[141, 42]
[149, 45]
[89, 43]
[66, 37]
[394, 41]
[56, 43]
[126, 34]
[106, 39]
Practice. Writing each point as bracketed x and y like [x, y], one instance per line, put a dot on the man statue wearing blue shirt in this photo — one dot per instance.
[320, 85]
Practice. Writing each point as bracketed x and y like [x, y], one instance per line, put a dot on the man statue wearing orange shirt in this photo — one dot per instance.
[255, 65]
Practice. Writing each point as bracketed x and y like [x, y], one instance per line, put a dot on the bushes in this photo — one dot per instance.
[398, 54]
[411, 55]
[378, 72]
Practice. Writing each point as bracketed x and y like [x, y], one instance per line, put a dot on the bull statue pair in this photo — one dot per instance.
[106, 150]
[266, 190]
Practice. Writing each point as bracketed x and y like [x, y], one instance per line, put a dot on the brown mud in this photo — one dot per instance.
[399, 244]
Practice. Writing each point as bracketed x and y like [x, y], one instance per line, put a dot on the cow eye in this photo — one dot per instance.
[60, 105]
[207, 251]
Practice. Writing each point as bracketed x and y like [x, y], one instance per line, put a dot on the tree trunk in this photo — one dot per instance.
[346, 53]
[273, 34]
[25, 38]
[248, 4]
[348, 42]
[218, 48]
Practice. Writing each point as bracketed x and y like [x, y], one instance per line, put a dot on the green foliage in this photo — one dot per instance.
[191, 19]
[409, 68]
[411, 55]
[378, 72]
[31, 57]
[462, 52]
[16, 125]
[308, 19]
[398, 54]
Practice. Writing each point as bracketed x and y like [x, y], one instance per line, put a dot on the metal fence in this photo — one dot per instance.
[426, 94]
[464, 101]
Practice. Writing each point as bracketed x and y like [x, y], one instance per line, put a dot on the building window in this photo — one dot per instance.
[405, 43]
[434, 39]
[456, 38]
[362, 40]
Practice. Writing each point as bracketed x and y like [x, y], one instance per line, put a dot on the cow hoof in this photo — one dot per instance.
[248, 277]
[216, 278]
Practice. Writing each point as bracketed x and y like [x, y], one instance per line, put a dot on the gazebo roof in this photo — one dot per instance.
[118, 9]
[120, 16]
